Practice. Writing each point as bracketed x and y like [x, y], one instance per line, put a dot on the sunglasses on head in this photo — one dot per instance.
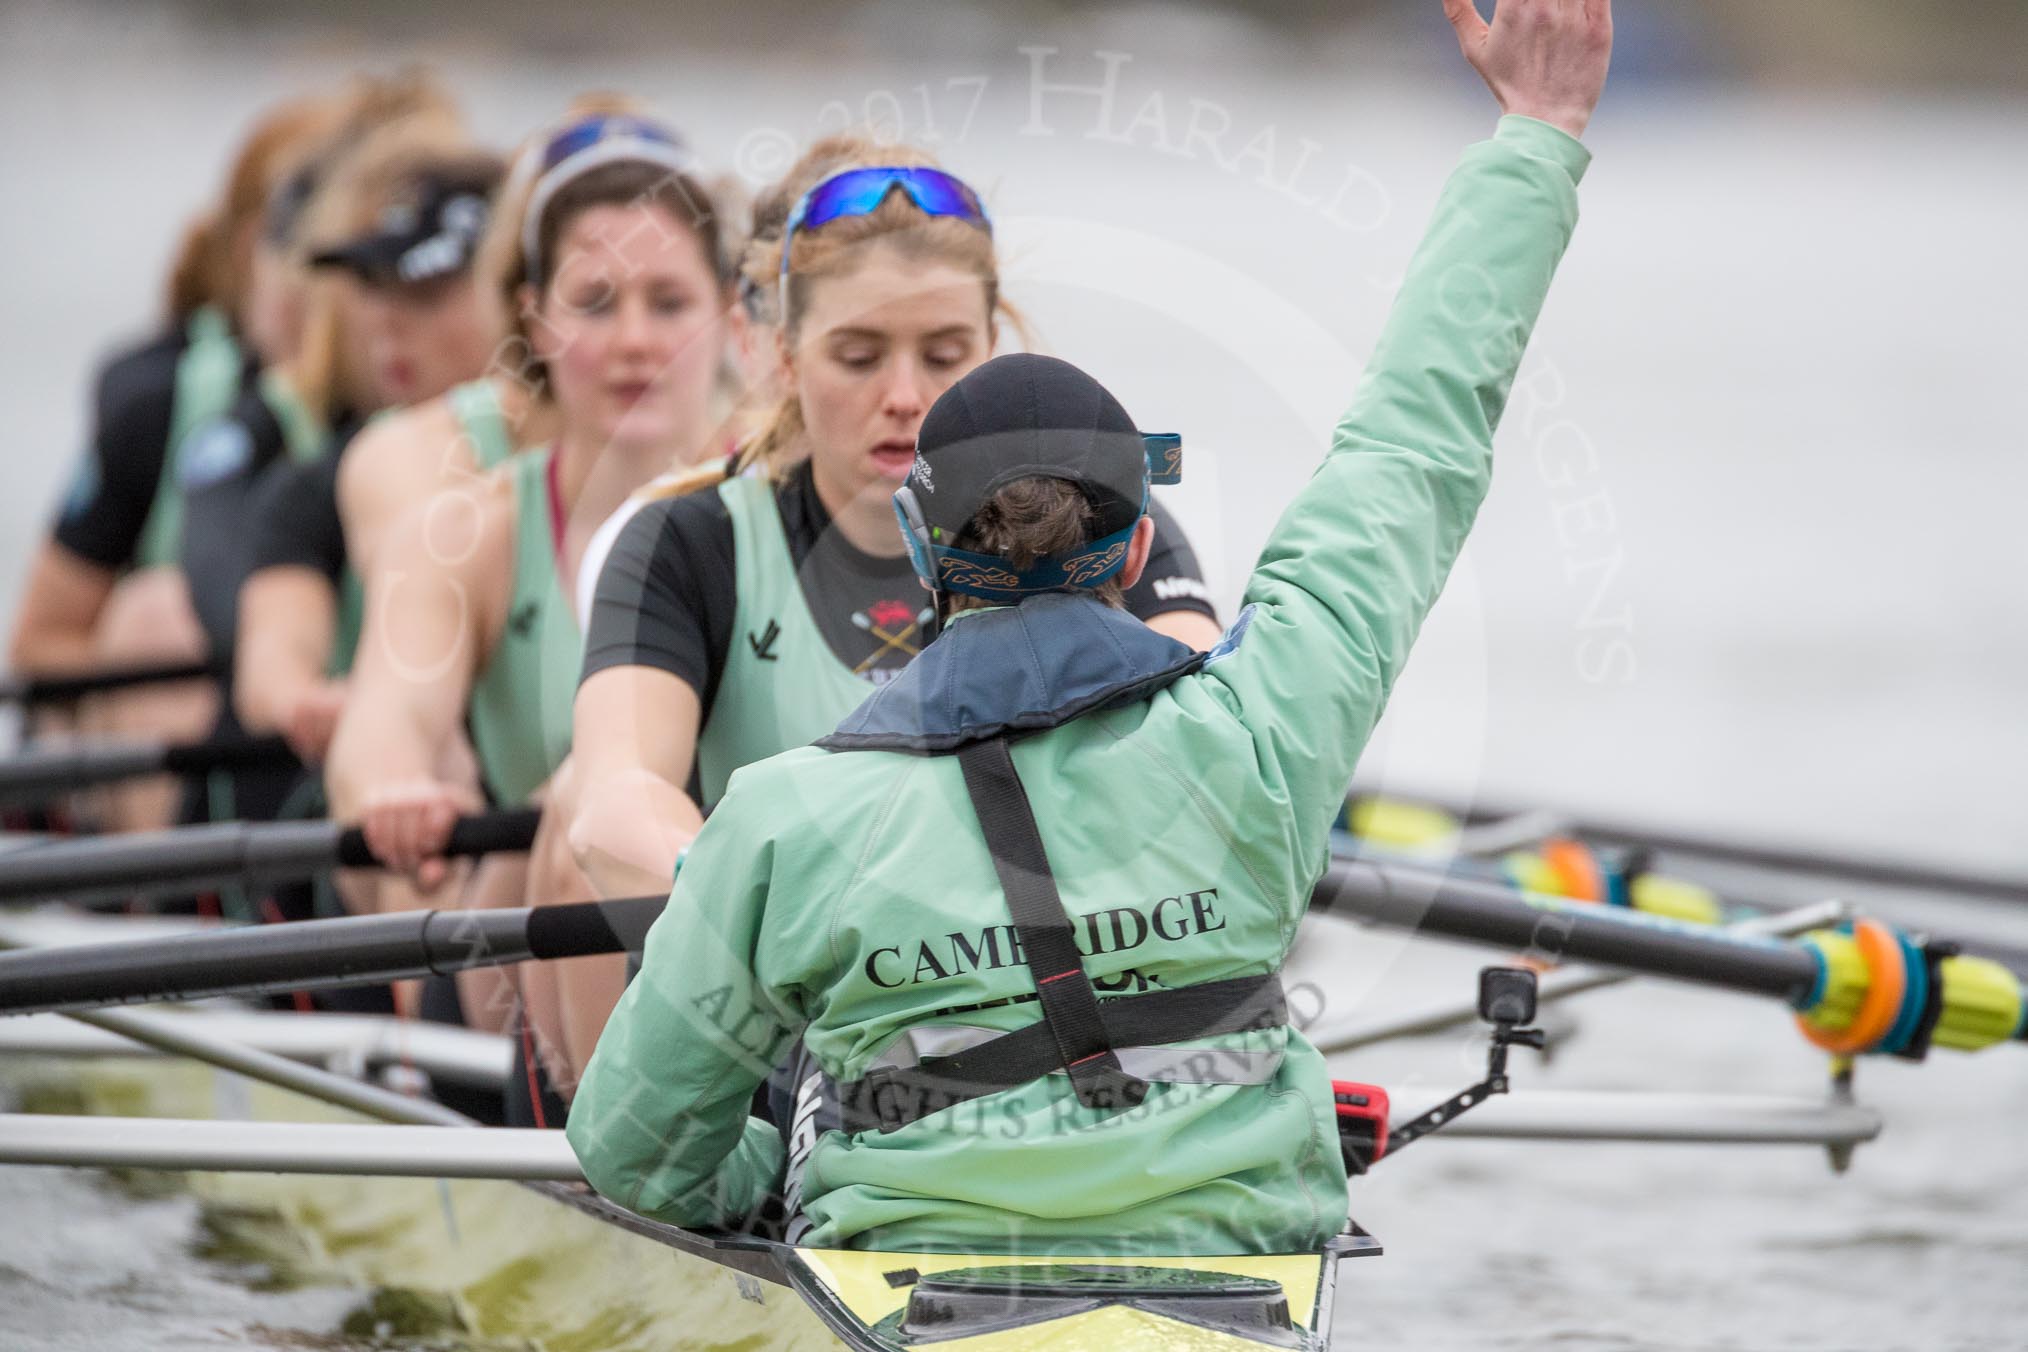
[588, 132]
[585, 145]
[859, 192]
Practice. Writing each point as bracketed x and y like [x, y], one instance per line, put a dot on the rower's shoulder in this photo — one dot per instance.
[144, 369]
[404, 439]
[406, 460]
[464, 530]
[682, 525]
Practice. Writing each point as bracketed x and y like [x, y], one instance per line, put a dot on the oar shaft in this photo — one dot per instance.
[514, 1153]
[1559, 984]
[151, 861]
[1856, 868]
[386, 947]
[40, 773]
[370, 1148]
[1736, 909]
[55, 688]
[1490, 913]
[202, 856]
[1830, 863]
[314, 954]
[167, 1033]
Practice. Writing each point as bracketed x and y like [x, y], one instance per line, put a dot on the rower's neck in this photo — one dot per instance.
[865, 518]
[593, 481]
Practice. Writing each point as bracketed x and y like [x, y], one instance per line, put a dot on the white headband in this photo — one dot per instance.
[611, 150]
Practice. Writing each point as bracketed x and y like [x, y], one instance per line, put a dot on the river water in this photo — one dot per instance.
[1752, 563]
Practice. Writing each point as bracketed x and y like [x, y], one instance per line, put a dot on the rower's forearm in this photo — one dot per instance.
[50, 639]
[627, 830]
[587, 991]
[57, 626]
[376, 745]
[47, 649]
[271, 675]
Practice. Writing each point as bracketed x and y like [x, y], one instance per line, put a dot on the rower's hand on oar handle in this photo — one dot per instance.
[407, 824]
[1544, 59]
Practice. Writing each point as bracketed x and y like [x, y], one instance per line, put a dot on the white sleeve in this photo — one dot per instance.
[596, 551]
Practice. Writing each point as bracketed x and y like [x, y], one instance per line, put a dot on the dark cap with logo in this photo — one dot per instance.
[431, 231]
[1017, 417]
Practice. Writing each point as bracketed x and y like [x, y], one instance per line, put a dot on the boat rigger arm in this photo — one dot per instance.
[1356, 562]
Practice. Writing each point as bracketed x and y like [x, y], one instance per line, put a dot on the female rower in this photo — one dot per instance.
[753, 378]
[416, 207]
[320, 394]
[935, 904]
[302, 407]
[439, 445]
[738, 622]
[624, 305]
[102, 589]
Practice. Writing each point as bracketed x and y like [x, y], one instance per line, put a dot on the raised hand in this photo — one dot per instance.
[1544, 59]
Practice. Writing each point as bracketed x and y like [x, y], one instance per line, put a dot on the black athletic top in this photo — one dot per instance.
[113, 489]
[667, 595]
[293, 518]
[219, 468]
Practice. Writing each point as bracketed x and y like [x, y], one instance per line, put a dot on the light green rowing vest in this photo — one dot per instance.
[520, 707]
[207, 383]
[351, 620]
[782, 686]
[476, 406]
[305, 436]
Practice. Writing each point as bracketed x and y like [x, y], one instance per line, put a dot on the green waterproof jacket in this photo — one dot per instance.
[850, 897]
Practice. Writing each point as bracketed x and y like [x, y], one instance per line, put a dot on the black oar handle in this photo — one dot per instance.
[203, 856]
[56, 689]
[503, 832]
[40, 773]
[313, 954]
[588, 928]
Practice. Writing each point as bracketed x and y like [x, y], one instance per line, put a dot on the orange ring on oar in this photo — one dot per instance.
[1575, 867]
[1887, 984]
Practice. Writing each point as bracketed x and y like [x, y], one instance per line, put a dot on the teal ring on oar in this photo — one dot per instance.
[1913, 999]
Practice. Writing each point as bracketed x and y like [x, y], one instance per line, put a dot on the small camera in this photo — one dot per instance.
[1507, 995]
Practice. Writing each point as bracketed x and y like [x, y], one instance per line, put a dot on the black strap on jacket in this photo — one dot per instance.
[1069, 1004]
[1075, 1034]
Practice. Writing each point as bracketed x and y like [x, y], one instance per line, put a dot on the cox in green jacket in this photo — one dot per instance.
[849, 895]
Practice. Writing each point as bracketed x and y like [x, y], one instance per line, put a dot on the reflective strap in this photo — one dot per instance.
[891, 1097]
[1069, 1004]
[1156, 1065]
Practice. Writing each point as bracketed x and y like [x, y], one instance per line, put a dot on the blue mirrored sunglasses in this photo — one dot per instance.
[592, 130]
[859, 192]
